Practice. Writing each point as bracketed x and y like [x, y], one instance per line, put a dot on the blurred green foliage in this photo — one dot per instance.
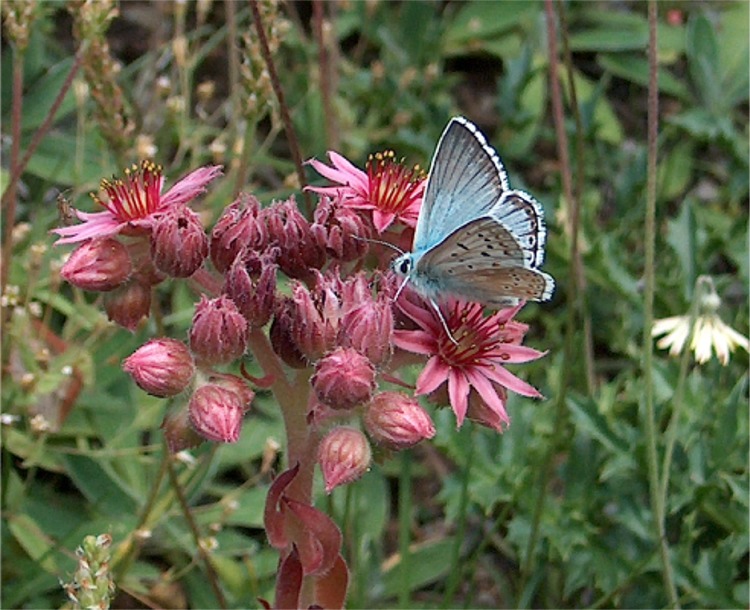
[401, 69]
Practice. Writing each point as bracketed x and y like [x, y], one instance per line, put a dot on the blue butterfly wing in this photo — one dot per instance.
[483, 261]
[466, 180]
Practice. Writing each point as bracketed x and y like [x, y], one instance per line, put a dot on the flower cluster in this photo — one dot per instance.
[336, 318]
[302, 293]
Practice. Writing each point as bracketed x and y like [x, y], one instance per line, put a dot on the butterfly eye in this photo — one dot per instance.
[403, 266]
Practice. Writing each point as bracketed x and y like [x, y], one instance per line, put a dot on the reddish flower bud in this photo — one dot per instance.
[397, 421]
[369, 329]
[178, 432]
[301, 250]
[128, 304]
[344, 455]
[280, 335]
[253, 292]
[341, 229]
[98, 264]
[162, 367]
[238, 227]
[313, 333]
[178, 242]
[235, 384]
[344, 379]
[219, 332]
[216, 413]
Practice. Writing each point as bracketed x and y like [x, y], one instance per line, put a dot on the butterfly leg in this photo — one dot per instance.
[436, 307]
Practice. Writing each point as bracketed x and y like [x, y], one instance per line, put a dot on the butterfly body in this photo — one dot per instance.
[476, 238]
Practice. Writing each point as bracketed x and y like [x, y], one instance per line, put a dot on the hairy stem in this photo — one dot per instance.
[213, 579]
[649, 423]
[291, 136]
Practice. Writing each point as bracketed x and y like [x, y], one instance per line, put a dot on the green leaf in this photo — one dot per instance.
[40, 97]
[428, 562]
[681, 236]
[34, 541]
[635, 69]
[481, 24]
[702, 50]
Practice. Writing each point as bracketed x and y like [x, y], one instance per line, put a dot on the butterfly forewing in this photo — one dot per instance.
[466, 180]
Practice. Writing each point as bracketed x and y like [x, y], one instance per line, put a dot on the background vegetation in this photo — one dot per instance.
[555, 512]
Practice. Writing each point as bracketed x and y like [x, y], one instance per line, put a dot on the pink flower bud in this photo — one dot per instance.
[235, 384]
[397, 421]
[313, 333]
[342, 230]
[281, 338]
[238, 227]
[368, 328]
[344, 379]
[178, 432]
[301, 250]
[216, 413]
[219, 332]
[162, 367]
[128, 304]
[98, 264]
[178, 242]
[344, 455]
[254, 296]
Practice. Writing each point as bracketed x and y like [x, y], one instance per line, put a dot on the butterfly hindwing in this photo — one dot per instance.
[521, 215]
[466, 180]
[483, 261]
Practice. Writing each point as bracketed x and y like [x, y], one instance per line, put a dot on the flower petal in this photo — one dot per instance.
[417, 341]
[507, 379]
[458, 391]
[433, 375]
[489, 395]
[190, 186]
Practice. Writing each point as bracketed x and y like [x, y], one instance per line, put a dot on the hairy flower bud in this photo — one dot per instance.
[397, 421]
[344, 455]
[98, 264]
[162, 367]
[178, 242]
[254, 293]
[219, 331]
[128, 304]
[344, 379]
[178, 432]
[216, 413]
[234, 384]
[281, 338]
[301, 250]
[341, 229]
[238, 228]
[368, 328]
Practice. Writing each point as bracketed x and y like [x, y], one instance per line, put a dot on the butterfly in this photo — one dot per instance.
[476, 238]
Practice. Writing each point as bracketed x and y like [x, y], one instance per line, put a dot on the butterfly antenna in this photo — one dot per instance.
[381, 242]
[400, 288]
[436, 307]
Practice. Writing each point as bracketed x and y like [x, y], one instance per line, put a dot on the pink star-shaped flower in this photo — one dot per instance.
[131, 204]
[388, 188]
[476, 361]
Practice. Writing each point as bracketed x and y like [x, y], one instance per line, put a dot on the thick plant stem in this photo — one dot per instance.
[649, 419]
